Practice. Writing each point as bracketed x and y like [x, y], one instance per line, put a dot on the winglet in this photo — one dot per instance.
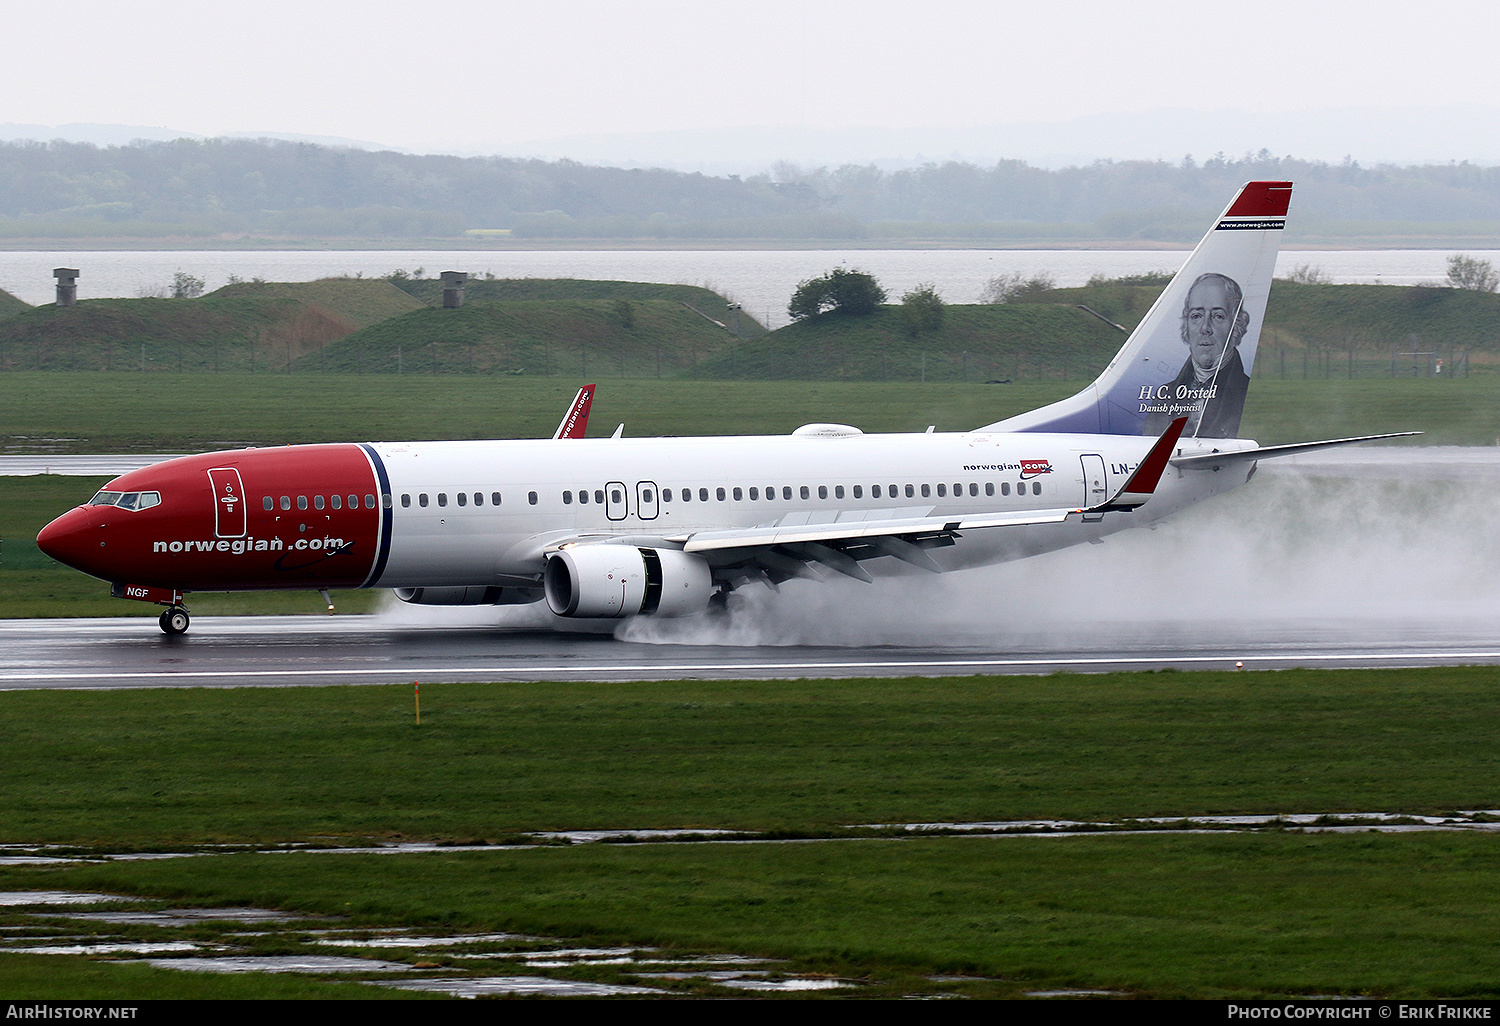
[1142, 484]
[577, 418]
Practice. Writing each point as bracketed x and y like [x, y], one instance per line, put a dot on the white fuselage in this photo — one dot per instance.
[664, 488]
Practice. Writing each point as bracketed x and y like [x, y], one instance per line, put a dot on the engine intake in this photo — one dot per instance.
[612, 580]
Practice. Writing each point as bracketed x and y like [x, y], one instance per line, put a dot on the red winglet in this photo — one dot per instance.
[1143, 482]
[577, 418]
[1262, 199]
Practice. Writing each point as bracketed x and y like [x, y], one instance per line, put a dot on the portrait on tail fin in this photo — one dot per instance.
[1210, 389]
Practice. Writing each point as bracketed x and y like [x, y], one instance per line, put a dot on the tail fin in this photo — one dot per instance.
[576, 420]
[1192, 354]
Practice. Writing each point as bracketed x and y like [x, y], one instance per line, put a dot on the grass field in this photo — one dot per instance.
[1167, 915]
[192, 412]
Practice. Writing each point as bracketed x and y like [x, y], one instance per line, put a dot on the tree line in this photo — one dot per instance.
[275, 186]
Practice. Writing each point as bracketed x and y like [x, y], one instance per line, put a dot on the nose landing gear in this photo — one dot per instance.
[174, 621]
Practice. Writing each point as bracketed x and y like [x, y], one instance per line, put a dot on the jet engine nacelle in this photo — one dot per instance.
[475, 596]
[622, 580]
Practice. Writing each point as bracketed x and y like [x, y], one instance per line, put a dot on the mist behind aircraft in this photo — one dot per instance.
[1366, 544]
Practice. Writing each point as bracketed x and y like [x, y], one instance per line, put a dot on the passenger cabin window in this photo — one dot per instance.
[531, 498]
[301, 502]
[942, 490]
[909, 492]
[317, 502]
[494, 498]
[738, 494]
[874, 491]
[583, 497]
[804, 492]
[421, 498]
[567, 498]
[859, 491]
[989, 488]
[719, 494]
[666, 495]
[463, 500]
[702, 494]
[286, 502]
[336, 501]
[405, 499]
[926, 492]
[598, 496]
[1004, 487]
[479, 498]
[838, 491]
[754, 494]
[268, 502]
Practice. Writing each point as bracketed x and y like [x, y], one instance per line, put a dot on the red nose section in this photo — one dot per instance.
[78, 539]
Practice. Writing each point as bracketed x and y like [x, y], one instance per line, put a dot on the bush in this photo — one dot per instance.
[922, 310]
[1017, 288]
[1472, 274]
[838, 291]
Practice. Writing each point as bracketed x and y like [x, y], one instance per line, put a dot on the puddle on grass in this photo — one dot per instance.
[111, 948]
[23, 898]
[226, 952]
[765, 980]
[189, 916]
[393, 941]
[521, 986]
[282, 964]
[1484, 820]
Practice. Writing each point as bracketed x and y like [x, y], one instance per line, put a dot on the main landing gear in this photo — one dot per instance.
[174, 621]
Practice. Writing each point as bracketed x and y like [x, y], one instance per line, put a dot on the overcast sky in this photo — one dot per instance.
[498, 74]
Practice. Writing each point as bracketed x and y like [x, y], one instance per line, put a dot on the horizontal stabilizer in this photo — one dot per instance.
[1266, 452]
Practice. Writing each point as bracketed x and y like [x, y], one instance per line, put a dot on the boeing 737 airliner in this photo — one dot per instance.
[621, 527]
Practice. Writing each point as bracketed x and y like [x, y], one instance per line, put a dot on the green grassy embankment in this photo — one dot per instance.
[609, 329]
[247, 327]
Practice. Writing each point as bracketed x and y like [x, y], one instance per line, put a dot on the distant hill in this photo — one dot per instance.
[249, 326]
[531, 326]
[10, 306]
[619, 337]
[359, 301]
[213, 190]
[976, 343]
[588, 329]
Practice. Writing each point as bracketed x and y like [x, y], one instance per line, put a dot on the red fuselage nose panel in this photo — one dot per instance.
[306, 516]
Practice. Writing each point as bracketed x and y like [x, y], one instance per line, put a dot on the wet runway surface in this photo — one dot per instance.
[292, 651]
[1360, 557]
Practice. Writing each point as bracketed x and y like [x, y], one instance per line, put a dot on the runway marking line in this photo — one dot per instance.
[719, 668]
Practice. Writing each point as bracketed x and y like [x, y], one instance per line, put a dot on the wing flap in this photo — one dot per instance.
[785, 534]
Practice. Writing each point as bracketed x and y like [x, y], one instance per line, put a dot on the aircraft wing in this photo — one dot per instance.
[784, 549]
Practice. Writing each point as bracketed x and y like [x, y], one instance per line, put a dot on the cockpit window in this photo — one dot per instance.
[127, 500]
